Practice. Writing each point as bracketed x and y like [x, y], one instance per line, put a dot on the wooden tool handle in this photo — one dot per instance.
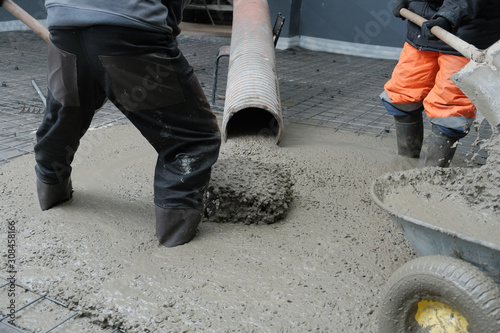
[27, 19]
[466, 49]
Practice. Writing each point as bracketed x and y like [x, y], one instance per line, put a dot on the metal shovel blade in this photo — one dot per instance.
[480, 82]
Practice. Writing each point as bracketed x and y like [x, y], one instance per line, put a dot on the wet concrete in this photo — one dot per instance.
[320, 267]
[463, 200]
[246, 191]
[317, 260]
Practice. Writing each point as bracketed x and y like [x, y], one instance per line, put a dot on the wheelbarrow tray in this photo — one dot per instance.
[429, 238]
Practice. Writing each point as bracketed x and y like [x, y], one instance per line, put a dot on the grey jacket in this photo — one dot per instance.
[151, 15]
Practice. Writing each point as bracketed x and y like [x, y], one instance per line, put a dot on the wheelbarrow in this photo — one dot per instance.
[453, 285]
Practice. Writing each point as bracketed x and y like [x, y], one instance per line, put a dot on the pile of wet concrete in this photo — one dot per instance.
[248, 192]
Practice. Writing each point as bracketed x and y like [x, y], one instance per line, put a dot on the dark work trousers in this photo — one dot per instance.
[148, 79]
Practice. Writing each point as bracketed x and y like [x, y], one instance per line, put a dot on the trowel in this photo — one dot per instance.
[480, 78]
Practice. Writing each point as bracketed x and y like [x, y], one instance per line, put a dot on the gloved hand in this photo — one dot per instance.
[438, 21]
[397, 7]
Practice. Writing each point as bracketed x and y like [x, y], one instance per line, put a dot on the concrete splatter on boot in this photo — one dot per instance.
[441, 149]
[50, 195]
[176, 226]
[409, 135]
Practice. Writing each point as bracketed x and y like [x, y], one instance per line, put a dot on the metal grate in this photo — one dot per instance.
[29, 301]
[316, 88]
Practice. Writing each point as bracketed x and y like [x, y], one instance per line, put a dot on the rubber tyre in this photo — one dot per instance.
[445, 279]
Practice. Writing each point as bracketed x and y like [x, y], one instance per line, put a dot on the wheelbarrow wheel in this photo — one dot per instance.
[440, 294]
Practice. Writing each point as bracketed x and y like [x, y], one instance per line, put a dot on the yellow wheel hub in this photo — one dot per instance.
[437, 317]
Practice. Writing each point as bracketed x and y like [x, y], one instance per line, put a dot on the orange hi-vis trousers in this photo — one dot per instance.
[424, 76]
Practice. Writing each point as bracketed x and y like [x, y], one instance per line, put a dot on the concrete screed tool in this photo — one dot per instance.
[480, 78]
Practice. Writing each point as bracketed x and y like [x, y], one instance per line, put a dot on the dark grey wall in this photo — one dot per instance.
[290, 9]
[35, 8]
[358, 21]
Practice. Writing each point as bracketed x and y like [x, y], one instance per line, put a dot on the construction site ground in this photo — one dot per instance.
[322, 268]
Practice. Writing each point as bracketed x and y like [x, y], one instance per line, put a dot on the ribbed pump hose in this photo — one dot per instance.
[252, 104]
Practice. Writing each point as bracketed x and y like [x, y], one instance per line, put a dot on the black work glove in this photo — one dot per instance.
[438, 21]
[397, 7]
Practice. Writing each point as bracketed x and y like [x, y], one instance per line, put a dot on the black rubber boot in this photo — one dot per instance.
[52, 195]
[176, 226]
[441, 149]
[409, 135]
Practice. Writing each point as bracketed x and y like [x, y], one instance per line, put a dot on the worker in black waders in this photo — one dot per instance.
[126, 51]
